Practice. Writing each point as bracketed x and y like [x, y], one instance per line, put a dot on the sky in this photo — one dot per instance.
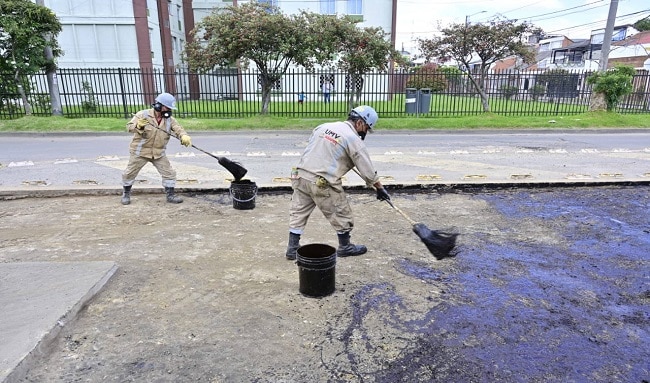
[572, 18]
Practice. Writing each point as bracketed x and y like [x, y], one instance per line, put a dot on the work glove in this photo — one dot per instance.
[142, 122]
[186, 140]
[383, 195]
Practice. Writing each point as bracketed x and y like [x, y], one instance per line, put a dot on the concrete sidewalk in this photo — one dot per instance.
[37, 300]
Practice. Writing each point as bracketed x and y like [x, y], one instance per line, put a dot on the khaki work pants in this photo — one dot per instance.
[136, 163]
[332, 203]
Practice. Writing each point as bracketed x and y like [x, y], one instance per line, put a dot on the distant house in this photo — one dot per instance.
[633, 51]
[586, 54]
[573, 56]
[545, 49]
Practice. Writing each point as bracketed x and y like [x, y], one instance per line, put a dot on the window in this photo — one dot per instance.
[269, 2]
[355, 7]
[328, 7]
[178, 17]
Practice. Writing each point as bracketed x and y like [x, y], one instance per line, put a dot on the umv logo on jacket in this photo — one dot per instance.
[331, 136]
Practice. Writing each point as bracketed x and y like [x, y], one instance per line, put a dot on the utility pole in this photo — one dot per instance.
[52, 80]
[607, 39]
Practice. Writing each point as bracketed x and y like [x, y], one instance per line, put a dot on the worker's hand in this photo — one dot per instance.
[186, 140]
[383, 195]
[142, 122]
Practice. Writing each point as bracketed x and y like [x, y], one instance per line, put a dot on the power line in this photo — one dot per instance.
[557, 30]
[560, 11]
[598, 22]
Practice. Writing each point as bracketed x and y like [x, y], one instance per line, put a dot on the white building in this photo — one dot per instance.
[150, 36]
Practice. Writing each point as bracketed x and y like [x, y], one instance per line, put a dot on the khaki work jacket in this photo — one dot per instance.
[333, 150]
[152, 141]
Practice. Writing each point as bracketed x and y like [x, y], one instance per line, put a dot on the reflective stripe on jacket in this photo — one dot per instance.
[151, 142]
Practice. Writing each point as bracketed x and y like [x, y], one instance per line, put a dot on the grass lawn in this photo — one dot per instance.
[486, 121]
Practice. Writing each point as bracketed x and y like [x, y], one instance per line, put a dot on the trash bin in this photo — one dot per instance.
[424, 100]
[411, 100]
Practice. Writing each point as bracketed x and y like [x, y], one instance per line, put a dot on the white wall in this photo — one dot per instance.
[96, 33]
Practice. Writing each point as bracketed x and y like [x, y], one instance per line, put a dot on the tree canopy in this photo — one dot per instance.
[260, 33]
[643, 24]
[483, 44]
[24, 28]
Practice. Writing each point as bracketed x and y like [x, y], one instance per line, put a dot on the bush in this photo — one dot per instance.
[427, 76]
[509, 90]
[537, 91]
[90, 104]
[614, 84]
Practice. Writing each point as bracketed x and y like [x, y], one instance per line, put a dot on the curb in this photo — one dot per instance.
[449, 187]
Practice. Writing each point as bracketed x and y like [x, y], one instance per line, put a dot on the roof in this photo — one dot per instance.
[577, 43]
[641, 38]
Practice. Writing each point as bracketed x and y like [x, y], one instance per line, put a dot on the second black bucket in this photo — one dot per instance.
[243, 194]
[316, 269]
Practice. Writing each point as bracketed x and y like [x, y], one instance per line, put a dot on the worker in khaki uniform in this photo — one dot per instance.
[333, 149]
[151, 130]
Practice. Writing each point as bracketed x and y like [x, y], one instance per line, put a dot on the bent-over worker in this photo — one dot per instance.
[333, 150]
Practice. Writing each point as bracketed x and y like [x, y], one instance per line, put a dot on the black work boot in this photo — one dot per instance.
[292, 247]
[171, 197]
[126, 195]
[346, 249]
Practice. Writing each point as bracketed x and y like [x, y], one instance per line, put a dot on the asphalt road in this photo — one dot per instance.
[95, 161]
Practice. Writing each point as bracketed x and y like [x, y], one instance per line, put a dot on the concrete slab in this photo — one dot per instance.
[37, 299]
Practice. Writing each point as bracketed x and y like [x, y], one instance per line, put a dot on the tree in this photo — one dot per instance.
[613, 84]
[254, 32]
[23, 27]
[488, 42]
[427, 76]
[642, 25]
[359, 51]
[260, 33]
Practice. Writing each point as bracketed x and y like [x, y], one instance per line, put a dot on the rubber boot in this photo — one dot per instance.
[346, 249]
[171, 197]
[292, 247]
[126, 195]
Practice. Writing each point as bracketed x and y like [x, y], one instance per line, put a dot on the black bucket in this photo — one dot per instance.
[243, 194]
[316, 269]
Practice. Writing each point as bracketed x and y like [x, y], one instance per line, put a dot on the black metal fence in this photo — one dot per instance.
[230, 93]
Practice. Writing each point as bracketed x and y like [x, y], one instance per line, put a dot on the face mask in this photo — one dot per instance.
[362, 135]
[166, 113]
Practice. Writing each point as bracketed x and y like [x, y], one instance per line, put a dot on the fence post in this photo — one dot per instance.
[126, 109]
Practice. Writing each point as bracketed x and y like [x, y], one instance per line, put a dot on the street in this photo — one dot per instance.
[62, 161]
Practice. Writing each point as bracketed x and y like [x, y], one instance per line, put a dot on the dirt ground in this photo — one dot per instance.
[549, 285]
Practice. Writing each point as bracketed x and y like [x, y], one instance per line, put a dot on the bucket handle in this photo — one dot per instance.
[243, 200]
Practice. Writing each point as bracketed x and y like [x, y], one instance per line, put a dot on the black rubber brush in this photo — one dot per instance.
[235, 168]
[440, 243]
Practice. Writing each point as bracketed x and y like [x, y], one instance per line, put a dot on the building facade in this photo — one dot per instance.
[150, 35]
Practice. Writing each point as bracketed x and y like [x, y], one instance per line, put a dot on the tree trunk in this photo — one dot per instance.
[23, 95]
[484, 100]
[355, 90]
[597, 102]
[480, 89]
[266, 97]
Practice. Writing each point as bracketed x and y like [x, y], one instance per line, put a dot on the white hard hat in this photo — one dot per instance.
[367, 113]
[167, 99]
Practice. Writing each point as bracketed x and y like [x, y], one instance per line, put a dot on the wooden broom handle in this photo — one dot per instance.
[411, 221]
